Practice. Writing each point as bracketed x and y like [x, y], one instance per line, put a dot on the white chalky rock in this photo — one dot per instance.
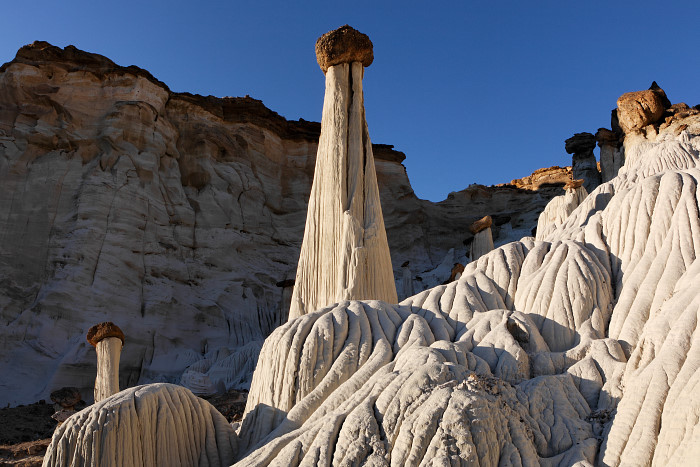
[558, 209]
[483, 239]
[345, 253]
[657, 417]
[155, 424]
[108, 341]
[482, 244]
[222, 369]
[537, 352]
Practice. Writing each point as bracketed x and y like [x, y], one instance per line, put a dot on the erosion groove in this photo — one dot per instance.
[539, 351]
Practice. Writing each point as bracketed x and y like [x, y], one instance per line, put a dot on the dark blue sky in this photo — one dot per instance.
[472, 92]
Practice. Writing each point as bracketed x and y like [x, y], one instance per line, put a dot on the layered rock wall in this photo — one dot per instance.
[178, 216]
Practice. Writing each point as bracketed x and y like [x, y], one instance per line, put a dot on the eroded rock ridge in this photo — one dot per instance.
[180, 217]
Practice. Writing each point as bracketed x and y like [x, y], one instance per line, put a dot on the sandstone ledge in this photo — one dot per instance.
[229, 109]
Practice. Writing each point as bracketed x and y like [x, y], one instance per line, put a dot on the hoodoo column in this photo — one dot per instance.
[344, 254]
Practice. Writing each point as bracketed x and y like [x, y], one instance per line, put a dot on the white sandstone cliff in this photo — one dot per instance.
[176, 216]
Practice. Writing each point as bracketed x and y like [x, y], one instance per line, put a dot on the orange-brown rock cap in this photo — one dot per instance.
[343, 45]
[635, 110]
[482, 224]
[573, 184]
[102, 331]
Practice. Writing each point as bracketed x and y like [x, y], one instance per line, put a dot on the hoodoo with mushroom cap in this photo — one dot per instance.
[345, 253]
[108, 341]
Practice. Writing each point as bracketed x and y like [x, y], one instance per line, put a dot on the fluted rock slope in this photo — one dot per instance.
[156, 424]
[179, 217]
[537, 353]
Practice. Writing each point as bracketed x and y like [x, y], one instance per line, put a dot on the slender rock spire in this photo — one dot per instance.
[483, 238]
[345, 254]
[108, 341]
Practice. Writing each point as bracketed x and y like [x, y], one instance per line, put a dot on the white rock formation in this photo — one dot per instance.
[483, 238]
[482, 244]
[156, 424]
[174, 215]
[559, 208]
[108, 341]
[537, 351]
[107, 381]
[345, 253]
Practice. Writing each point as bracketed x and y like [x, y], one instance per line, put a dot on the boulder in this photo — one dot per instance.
[66, 397]
[636, 110]
[343, 45]
[581, 144]
[481, 224]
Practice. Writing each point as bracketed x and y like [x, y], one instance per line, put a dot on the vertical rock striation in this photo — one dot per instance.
[483, 239]
[345, 253]
[155, 424]
[108, 341]
[560, 207]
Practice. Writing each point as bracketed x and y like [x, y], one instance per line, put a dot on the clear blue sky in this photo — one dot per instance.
[472, 92]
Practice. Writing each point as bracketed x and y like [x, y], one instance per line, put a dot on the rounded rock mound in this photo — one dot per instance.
[154, 424]
[344, 45]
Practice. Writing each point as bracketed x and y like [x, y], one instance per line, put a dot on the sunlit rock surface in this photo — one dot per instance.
[577, 349]
[345, 253]
[176, 216]
[559, 208]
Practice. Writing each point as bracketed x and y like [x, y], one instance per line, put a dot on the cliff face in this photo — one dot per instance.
[178, 217]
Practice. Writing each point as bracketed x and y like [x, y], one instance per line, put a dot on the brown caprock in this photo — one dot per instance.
[345, 254]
